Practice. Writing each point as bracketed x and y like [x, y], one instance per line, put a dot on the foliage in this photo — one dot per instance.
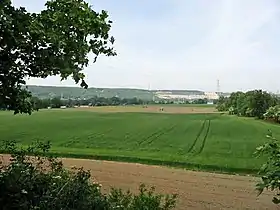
[96, 101]
[76, 93]
[221, 104]
[57, 102]
[200, 101]
[250, 104]
[271, 169]
[55, 41]
[41, 182]
[273, 114]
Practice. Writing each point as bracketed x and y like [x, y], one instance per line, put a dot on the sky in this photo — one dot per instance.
[185, 44]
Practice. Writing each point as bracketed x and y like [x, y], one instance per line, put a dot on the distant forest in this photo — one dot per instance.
[55, 97]
[44, 92]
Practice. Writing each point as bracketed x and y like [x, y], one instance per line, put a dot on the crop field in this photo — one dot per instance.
[184, 136]
[210, 141]
[167, 108]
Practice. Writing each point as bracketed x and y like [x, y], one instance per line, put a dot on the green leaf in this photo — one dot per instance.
[66, 37]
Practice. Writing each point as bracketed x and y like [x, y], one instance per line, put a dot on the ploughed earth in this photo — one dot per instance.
[196, 190]
[151, 109]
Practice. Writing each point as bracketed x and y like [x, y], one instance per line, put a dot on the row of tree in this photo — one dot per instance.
[255, 103]
[57, 102]
[96, 101]
[174, 101]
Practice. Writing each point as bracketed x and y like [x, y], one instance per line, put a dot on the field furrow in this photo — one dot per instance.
[151, 136]
[205, 137]
[163, 132]
[197, 137]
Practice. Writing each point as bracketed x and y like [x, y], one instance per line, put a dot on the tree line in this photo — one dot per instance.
[255, 103]
[57, 102]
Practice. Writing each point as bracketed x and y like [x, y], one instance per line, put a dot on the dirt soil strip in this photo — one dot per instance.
[197, 190]
[150, 109]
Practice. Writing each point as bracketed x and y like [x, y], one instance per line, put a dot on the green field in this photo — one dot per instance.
[205, 141]
[185, 105]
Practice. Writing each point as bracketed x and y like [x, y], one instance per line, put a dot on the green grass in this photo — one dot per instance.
[200, 141]
[186, 105]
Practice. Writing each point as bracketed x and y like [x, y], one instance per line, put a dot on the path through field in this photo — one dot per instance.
[197, 190]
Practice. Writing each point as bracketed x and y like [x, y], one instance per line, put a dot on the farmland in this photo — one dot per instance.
[200, 140]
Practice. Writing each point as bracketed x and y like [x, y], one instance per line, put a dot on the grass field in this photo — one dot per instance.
[205, 141]
[186, 105]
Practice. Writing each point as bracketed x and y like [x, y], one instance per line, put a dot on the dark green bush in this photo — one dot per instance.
[270, 170]
[32, 180]
[250, 104]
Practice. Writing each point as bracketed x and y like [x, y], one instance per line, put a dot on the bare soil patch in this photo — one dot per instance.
[196, 190]
[152, 109]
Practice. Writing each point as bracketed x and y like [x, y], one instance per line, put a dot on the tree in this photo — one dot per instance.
[56, 102]
[258, 102]
[271, 169]
[221, 104]
[233, 100]
[55, 41]
[241, 105]
[250, 104]
[273, 114]
[200, 101]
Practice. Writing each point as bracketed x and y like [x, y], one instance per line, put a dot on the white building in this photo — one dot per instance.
[170, 96]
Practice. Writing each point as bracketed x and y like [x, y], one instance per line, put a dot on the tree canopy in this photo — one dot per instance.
[55, 41]
[253, 103]
[270, 179]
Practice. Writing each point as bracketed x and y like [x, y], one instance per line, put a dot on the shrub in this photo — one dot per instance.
[33, 180]
[231, 111]
[271, 169]
[273, 114]
[250, 104]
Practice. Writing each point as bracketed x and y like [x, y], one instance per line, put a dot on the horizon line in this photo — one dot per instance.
[130, 88]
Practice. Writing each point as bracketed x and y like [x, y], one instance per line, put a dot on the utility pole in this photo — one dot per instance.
[218, 86]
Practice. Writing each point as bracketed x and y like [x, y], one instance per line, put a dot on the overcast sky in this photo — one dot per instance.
[186, 44]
